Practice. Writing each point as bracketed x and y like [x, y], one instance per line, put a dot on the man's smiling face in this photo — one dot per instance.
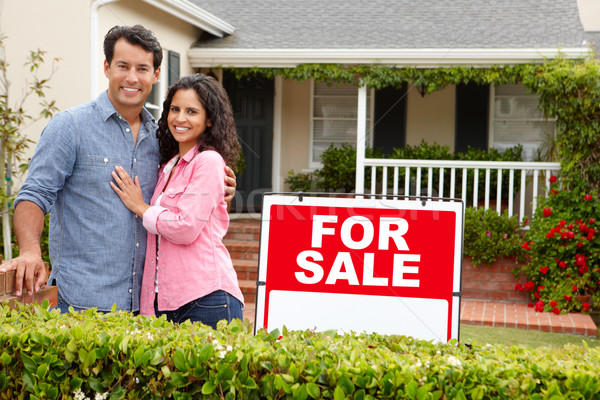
[130, 77]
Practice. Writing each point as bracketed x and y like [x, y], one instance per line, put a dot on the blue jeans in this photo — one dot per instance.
[209, 309]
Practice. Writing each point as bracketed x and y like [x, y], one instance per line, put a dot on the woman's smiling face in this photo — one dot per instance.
[187, 119]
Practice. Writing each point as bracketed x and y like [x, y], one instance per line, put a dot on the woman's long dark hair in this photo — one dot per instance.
[221, 136]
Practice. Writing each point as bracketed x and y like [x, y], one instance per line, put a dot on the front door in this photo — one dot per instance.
[252, 102]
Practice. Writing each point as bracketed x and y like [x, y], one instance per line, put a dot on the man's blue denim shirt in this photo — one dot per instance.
[97, 245]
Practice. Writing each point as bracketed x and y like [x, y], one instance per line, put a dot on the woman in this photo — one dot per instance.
[188, 273]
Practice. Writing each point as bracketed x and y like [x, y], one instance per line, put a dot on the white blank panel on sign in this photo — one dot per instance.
[423, 318]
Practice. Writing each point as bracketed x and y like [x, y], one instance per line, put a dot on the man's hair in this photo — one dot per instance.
[136, 35]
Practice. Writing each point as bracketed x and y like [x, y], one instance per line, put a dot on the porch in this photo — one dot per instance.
[511, 186]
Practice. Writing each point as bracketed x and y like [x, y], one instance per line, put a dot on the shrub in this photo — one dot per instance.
[89, 355]
[564, 250]
[489, 236]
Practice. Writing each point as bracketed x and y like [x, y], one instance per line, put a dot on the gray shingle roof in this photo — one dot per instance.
[397, 24]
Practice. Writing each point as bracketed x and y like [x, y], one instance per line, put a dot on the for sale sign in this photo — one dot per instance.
[358, 264]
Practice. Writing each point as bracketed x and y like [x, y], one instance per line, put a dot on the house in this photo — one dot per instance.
[285, 124]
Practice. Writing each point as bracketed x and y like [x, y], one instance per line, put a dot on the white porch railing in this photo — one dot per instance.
[525, 181]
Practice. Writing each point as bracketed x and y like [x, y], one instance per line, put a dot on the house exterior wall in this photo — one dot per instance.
[431, 118]
[295, 126]
[59, 27]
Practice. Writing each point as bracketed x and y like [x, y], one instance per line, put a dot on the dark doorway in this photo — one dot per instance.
[252, 102]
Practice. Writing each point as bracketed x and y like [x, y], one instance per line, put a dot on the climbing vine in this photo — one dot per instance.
[569, 91]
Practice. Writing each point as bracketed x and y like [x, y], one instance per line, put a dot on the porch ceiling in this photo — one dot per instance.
[422, 58]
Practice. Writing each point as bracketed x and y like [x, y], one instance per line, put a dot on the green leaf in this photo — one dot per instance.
[346, 384]
[42, 370]
[29, 380]
[137, 356]
[180, 361]
[208, 388]
[75, 383]
[313, 390]
[206, 353]
[179, 379]
[5, 358]
[3, 382]
[338, 393]
[97, 385]
[28, 362]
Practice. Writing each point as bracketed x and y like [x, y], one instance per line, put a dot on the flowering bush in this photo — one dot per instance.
[489, 236]
[563, 251]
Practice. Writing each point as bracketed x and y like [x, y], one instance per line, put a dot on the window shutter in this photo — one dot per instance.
[173, 67]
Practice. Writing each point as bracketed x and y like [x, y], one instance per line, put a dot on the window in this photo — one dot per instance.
[169, 73]
[334, 118]
[516, 119]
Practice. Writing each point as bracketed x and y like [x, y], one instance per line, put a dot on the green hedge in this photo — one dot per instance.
[88, 355]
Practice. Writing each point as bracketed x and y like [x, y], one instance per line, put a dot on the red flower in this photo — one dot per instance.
[592, 221]
[541, 288]
[544, 270]
[570, 235]
[529, 286]
[547, 212]
[585, 306]
[519, 287]
[530, 304]
[583, 270]
[580, 260]
[553, 303]
[591, 234]
[539, 306]
[587, 197]
[488, 233]
[550, 234]
[552, 179]
[562, 264]
[583, 228]
[562, 223]
[567, 297]
[556, 310]
[579, 245]
[537, 295]
[574, 288]
[552, 191]
[526, 246]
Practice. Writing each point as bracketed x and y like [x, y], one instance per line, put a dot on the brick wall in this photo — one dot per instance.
[491, 282]
[7, 291]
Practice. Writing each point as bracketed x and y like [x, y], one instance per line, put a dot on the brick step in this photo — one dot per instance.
[248, 289]
[246, 269]
[242, 249]
[244, 229]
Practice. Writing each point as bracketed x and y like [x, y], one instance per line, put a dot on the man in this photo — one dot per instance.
[97, 246]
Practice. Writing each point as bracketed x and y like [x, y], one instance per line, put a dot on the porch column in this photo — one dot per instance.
[361, 136]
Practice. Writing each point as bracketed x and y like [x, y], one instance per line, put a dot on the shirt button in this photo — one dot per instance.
[127, 130]
[130, 290]
[133, 273]
[105, 160]
[137, 245]
[135, 160]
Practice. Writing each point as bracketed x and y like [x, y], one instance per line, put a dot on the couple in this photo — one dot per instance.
[82, 171]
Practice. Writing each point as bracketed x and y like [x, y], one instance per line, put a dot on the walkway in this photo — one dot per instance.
[518, 315]
[511, 315]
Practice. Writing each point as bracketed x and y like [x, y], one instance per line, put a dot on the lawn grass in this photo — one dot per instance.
[523, 337]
